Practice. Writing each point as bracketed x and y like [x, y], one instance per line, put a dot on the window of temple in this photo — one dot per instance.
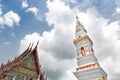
[31, 78]
[83, 51]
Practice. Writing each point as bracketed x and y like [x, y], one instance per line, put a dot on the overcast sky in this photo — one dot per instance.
[52, 22]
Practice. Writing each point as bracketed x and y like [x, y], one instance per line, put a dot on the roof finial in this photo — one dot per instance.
[76, 15]
[37, 44]
[77, 19]
[31, 46]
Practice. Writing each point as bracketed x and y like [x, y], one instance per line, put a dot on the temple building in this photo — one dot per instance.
[88, 67]
[24, 67]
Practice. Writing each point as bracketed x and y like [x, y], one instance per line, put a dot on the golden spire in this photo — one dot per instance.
[79, 26]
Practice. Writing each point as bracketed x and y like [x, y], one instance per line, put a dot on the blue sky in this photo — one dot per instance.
[53, 22]
[28, 23]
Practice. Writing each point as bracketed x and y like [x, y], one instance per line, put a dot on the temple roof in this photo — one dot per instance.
[18, 60]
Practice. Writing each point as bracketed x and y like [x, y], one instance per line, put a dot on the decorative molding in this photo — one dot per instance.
[82, 38]
[25, 71]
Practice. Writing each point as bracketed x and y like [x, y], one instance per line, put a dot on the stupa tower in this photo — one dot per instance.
[87, 66]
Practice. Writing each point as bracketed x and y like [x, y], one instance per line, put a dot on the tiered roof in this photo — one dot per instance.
[5, 68]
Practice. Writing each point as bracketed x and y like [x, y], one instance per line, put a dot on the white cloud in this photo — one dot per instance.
[118, 9]
[25, 4]
[10, 18]
[7, 43]
[59, 13]
[34, 10]
[69, 1]
[0, 11]
[56, 50]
